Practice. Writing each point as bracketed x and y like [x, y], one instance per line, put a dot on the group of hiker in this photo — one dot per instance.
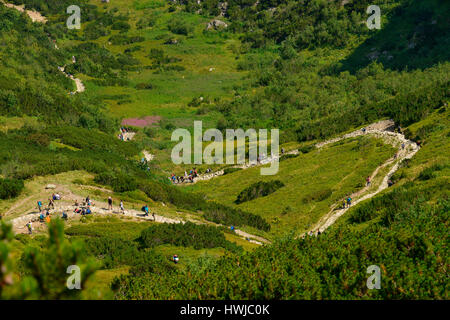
[187, 177]
[312, 233]
[121, 135]
[83, 208]
[346, 203]
[44, 213]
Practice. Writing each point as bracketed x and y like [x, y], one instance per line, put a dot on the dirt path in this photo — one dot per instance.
[374, 128]
[383, 130]
[396, 140]
[148, 156]
[37, 17]
[79, 84]
[34, 15]
[380, 130]
[98, 208]
[264, 161]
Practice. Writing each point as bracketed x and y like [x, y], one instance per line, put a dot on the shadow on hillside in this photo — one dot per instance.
[416, 37]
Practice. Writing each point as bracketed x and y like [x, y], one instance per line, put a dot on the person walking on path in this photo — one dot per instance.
[153, 215]
[110, 207]
[145, 209]
[39, 203]
[51, 203]
[343, 204]
[121, 207]
[368, 181]
[349, 202]
[29, 225]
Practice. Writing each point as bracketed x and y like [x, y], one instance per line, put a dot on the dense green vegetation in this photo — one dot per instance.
[332, 266]
[10, 188]
[308, 67]
[258, 189]
[188, 234]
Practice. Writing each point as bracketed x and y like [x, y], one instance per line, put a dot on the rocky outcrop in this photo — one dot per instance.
[216, 25]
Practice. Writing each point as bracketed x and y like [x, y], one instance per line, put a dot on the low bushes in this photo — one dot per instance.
[186, 235]
[259, 189]
[318, 196]
[10, 188]
[429, 172]
[212, 211]
[230, 170]
[219, 213]
[118, 181]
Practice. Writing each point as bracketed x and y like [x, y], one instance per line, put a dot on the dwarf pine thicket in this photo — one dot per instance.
[310, 68]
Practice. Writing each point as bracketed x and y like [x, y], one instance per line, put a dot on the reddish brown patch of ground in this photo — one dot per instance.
[141, 122]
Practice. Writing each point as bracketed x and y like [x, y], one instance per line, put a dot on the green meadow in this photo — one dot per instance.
[340, 168]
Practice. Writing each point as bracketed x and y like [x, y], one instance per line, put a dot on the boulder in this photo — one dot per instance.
[216, 24]
[50, 186]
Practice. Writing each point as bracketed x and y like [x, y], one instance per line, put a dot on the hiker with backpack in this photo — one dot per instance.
[349, 202]
[368, 181]
[39, 203]
[30, 227]
[145, 210]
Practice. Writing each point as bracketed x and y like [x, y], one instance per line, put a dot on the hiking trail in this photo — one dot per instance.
[36, 16]
[97, 208]
[383, 130]
[79, 84]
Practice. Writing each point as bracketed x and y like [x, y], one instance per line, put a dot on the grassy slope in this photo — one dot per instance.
[173, 90]
[341, 167]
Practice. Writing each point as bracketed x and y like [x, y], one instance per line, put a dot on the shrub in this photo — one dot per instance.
[10, 188]
[307, 149]
[186, 235]
[258, 189]
[219, 213]
[429, 172]
[289, 156]
[179, 26]
[230, 170]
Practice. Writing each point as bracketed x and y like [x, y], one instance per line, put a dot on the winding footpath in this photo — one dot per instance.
[397, 140]
[34, 15]
[98, 208]
[79, 84]
[38, 17]
[383, 130]
[406, 150]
